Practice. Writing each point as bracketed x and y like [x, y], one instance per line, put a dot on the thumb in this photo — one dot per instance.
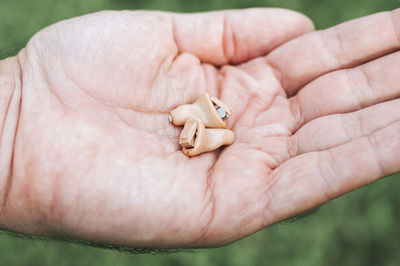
[235, 36]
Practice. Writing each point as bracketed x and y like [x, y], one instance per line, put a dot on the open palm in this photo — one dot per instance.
[96, 158]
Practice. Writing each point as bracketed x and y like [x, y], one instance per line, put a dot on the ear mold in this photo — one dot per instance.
[196, 139]
[210, 110]
[204, 125]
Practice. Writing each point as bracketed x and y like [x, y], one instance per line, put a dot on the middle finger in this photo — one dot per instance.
[349, 90]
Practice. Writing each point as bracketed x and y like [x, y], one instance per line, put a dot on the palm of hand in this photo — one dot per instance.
[103, 160]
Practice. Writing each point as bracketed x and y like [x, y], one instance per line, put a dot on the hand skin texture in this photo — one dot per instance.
[87, 151]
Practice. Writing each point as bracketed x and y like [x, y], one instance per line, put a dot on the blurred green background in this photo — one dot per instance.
[361, 228]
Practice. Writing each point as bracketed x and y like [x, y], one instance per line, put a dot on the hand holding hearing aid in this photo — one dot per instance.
[204, 125]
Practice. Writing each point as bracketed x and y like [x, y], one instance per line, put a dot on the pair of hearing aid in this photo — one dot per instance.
[204, 125]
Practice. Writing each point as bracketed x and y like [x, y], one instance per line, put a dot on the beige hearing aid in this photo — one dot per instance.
[196, 139]
[210, 110]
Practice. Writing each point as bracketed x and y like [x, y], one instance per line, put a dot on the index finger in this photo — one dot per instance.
[351, 43]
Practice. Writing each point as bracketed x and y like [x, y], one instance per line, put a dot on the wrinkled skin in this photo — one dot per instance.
[95, 157]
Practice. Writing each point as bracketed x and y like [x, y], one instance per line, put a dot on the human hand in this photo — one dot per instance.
[95, 157]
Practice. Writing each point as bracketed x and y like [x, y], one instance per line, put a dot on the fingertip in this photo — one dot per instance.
[295, 22]
[303, 21]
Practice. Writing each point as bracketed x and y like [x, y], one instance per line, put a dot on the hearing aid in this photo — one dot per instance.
[212, 111]
[196, 139]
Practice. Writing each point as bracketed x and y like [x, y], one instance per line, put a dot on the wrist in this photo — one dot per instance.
[10, 102]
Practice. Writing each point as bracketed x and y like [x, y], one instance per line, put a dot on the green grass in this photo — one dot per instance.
[360, 228]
